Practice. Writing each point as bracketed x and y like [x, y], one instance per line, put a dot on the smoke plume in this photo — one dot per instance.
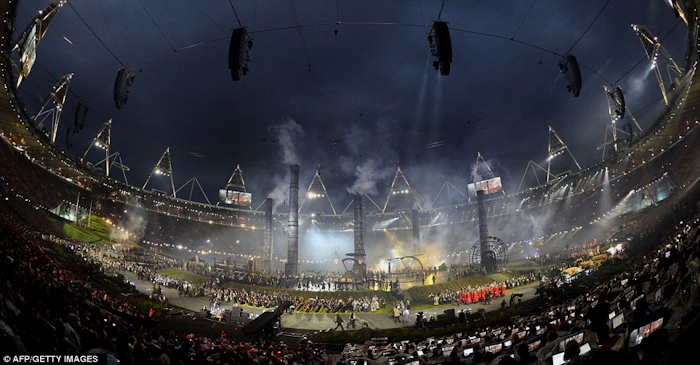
[288, 134]
[367, 175]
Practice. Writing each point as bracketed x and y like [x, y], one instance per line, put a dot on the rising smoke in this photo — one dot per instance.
[134, 223]
[367, 176]
[288, 134]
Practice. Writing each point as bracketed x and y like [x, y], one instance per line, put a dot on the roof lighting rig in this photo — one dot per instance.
[678, 10]
[124, 80]
[657, 54]
[163, 167]
[441, 47]
[556, 147]
[239, 53]
[401, 195]
[102, 141]
[569, 66]
[53, 106]
[315, 192]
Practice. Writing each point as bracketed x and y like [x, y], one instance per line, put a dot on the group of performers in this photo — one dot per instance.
[482, 294]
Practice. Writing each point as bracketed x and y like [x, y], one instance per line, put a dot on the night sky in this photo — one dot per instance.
[369, 98]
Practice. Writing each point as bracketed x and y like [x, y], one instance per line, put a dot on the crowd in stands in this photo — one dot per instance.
[626, 316]
[616, 314]
[216, 293]
[50, 303]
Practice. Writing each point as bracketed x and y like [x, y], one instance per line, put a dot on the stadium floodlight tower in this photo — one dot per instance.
[236, 180]
[678, 10]
[53, 106]
[317, 192]
[102, 141]
[401, 195]
[30, 38]
[657, 54]
[164, 167]
[556, 147]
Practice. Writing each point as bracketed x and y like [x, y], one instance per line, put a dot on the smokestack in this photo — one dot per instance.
[483, 230]
[292, 265]
[268, 237]
[415, 230]
[359, 267]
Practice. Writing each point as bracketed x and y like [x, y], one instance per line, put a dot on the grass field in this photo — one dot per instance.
[421, 294]
[433, 306]
[95, 229]
[185, 275]
[522, 266]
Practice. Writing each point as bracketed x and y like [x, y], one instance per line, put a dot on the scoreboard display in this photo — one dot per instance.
[233, 197]
[489, 186]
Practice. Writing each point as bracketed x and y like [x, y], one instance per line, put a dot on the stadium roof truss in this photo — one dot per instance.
[102, 141]
[617, 109]
[678, 10]
[236, 180]
[400, 188]
[115, 160]
[53, 106]
[192, 182]
[555, 147]
[164, 166]
[366, 196]
[317, 190]
[532, 168]
[657, 55]
[448, 187]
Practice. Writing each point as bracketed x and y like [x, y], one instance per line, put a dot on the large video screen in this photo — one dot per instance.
[489, 186]
[232, 197]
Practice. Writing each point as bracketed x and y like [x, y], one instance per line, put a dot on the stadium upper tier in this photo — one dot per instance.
[663, 160]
